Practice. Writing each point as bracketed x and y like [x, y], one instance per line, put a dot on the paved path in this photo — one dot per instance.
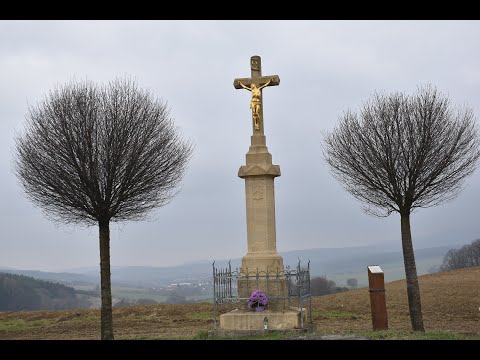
[329, 337]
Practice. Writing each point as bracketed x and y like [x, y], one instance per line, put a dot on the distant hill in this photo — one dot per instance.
[340, 265]
[337, 264]
[20, 292]
[66, 278]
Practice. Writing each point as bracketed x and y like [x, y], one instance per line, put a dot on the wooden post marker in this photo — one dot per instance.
[376, 285]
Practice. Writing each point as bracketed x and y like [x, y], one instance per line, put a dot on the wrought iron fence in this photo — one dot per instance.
[290, 287]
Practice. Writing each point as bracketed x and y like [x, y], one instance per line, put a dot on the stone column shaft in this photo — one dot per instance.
[259, 174]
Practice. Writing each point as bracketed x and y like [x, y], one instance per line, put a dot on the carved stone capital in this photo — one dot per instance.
[258, 170]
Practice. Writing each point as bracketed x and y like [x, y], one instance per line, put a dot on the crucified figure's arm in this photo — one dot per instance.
[266, 84]
[245, 87]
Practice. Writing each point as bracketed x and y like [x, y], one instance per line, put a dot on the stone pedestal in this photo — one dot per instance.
[277, 320]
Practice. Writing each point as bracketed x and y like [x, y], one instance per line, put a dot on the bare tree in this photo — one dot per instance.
[453, 259]
[475, 253]
[400, 153]
[467, 256]
[95, 154]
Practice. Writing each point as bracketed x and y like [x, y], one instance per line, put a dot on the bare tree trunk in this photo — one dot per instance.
[106, 286]
[413, 290]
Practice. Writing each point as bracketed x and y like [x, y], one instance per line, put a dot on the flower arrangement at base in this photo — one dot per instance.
[258, 299]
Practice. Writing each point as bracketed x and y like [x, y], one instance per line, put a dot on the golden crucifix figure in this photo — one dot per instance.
[256, 101]
[255, 84]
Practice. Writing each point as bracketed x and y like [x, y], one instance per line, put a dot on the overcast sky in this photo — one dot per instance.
[325, 67]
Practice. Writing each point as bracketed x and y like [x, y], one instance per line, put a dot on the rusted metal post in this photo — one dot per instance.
[376, 285]
[214, 296]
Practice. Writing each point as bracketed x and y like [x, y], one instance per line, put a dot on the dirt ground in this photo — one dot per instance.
[450, 302]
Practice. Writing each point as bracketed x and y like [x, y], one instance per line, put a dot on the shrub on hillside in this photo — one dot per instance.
[322, 286]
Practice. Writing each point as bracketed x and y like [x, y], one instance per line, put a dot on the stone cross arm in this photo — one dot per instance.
[262, 80]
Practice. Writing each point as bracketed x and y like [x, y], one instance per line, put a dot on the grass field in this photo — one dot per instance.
[450, 305]
[133, 294]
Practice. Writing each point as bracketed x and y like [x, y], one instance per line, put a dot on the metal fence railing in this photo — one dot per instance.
[290, 287]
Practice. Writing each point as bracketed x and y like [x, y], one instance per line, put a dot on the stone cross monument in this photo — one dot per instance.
[262, 257]
[259, 173]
